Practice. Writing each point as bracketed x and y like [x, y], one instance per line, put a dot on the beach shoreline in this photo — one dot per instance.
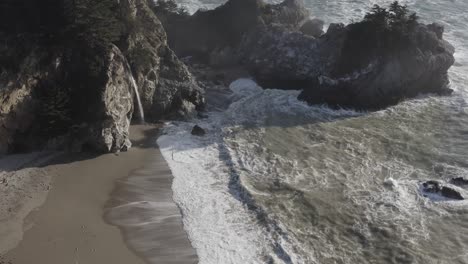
[69, 227]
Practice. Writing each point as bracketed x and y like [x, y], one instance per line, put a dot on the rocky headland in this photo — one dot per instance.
[76, 81]
[387, 57]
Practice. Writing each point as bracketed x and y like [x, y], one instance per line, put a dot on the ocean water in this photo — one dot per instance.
[278, 181]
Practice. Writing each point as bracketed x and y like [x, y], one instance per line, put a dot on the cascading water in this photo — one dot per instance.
[137, 95]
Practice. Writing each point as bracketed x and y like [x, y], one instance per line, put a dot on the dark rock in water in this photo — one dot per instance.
[352, 66]
[459, 181]
[436, 187]
[451, 193]
[313, 27]
[432, 186]
[198, 131]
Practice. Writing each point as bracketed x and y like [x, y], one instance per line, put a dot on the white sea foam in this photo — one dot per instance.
[220, 227]
[238, 142]
[361, 170]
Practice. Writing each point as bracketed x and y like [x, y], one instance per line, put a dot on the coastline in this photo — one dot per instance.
[70, 227]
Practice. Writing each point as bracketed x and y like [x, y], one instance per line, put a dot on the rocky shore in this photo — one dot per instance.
[77, 81]
[80, 86]
[387, 57]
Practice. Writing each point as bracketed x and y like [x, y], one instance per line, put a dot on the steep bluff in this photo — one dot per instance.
[71, 86]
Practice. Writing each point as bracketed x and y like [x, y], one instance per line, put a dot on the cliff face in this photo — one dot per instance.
[167, 87]
[372, 64]
[74, 90]
[212, 34]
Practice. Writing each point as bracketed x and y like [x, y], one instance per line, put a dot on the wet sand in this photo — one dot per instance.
[70, 227]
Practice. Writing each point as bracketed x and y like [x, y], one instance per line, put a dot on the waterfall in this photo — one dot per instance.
[137, 95]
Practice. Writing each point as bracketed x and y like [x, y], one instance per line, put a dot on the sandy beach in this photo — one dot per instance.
[69, 227]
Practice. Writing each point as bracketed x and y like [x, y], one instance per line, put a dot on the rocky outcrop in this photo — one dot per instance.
[435, 187]
[209, 33]
[198, 131]
[367, 65]
[74, 88]
[41, 109]
[167, 87]
[459, 181]
[313, 28]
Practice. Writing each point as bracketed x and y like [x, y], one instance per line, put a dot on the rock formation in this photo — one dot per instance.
[71, 87]
[68, 80]
[198, 131]
[435, 187]
[387, 57]
[459, 181]
[313, 28]
[167, 87]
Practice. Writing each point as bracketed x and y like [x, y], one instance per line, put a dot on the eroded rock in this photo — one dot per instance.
[198, 131]
[435, 187]
[74, 90]
[166, 86]
[313, 27]
[459, 181]
[347, 67]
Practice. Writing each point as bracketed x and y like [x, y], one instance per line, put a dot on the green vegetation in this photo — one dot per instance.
[381, 33]
[396, 19]
[97, 22]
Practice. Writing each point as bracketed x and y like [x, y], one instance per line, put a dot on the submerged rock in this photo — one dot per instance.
[459, 181]
[198, 131]
[435, 187]
[432, 186]
[451, 193]
[223, 29]
[116, 109]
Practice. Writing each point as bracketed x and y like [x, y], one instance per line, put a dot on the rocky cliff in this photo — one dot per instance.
[74, 87]
[368, 65]
[72, 80]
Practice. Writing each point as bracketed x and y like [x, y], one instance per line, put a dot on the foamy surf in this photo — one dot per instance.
[220, 227]
[269, 165]
[218, 214]
[323, 186]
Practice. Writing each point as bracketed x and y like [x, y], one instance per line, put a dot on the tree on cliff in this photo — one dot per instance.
[396, 18]
[382, 32]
